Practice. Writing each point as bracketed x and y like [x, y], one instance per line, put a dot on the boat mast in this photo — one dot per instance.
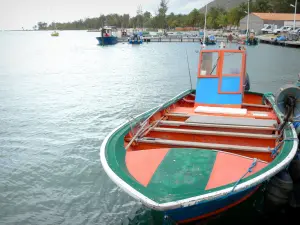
[247, 32]
[205, 24]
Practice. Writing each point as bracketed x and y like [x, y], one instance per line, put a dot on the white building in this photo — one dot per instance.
[258, 20]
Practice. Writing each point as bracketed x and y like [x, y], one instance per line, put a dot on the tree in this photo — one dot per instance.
[147, 15]
[283, 6]
[217, 17]
[102, 20]
[147, 19]
[262, 6]
[139, 16]
[125, 20]
[42, 25]
[161, 15]
[222, 20]
[213, 14]
[194, 18]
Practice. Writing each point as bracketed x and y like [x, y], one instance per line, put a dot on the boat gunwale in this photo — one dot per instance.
[204, 197]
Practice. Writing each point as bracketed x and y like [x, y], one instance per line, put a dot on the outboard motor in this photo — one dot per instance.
[286, 101]
[280, 187]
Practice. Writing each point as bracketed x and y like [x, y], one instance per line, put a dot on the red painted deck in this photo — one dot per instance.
[143, 164]
[229, 168]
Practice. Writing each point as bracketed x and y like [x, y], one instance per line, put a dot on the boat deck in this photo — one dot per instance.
[182, 153]
[169, 174]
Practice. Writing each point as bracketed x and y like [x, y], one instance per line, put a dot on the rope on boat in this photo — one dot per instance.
[275, 151]
[248, 171]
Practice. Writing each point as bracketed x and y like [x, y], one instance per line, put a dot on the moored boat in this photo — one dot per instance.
[207, 149]
[210, 40]
[136, 38]
[251, 40]
[108, 36]
[55, 34]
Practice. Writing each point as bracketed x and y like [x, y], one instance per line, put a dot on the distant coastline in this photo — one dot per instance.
[218, 17]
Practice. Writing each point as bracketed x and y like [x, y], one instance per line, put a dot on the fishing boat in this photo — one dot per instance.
[136, 38]
[210, 39]
[207, 149]
[54, 34]
[250, 40]
[108, 36]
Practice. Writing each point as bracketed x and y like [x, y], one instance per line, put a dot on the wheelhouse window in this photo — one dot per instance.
[209, 64]
[233, 64]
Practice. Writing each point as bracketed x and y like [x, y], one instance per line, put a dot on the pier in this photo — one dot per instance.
[271, 40]
[173, 39]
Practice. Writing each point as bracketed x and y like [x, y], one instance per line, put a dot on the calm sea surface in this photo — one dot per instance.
[60, 97]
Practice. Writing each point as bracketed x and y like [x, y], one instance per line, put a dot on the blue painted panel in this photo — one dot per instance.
[230, 84]
[206, 90]
[206, 207]
[107, 40]
[207, 93]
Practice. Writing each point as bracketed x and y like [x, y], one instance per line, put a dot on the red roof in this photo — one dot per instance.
[277, 16]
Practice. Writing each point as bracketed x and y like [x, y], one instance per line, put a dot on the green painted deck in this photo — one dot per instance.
[183, 173]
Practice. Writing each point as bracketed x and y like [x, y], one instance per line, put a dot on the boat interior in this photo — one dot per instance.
[217, 131]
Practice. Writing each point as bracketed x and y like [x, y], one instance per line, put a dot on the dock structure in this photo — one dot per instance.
[173, 39]
[273, 41]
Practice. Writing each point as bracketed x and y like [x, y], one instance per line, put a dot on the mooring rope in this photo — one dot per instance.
[248, 171]
[274, 152]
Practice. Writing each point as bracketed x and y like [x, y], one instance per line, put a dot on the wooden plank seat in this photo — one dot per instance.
[202, 145]
[179, 123]
[215, 133]
[222, 120]
[256, 105]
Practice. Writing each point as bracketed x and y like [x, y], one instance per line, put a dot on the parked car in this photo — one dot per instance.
[296, 31]
[282, 29]
[268, 29]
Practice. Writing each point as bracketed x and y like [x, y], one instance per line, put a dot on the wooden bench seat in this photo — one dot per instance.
[222, 120]
[202, 145]
[179, 123]
[215, 133]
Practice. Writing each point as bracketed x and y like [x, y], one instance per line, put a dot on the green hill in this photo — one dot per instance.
[226, 4]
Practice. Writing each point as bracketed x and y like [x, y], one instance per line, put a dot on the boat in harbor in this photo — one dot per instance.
[210, 40]
[136, 39]
[207, 149]
[108, 36]
[54, 34]
[250, 39]
[207, 39]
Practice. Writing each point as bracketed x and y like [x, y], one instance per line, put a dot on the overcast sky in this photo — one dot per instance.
[15, 14]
